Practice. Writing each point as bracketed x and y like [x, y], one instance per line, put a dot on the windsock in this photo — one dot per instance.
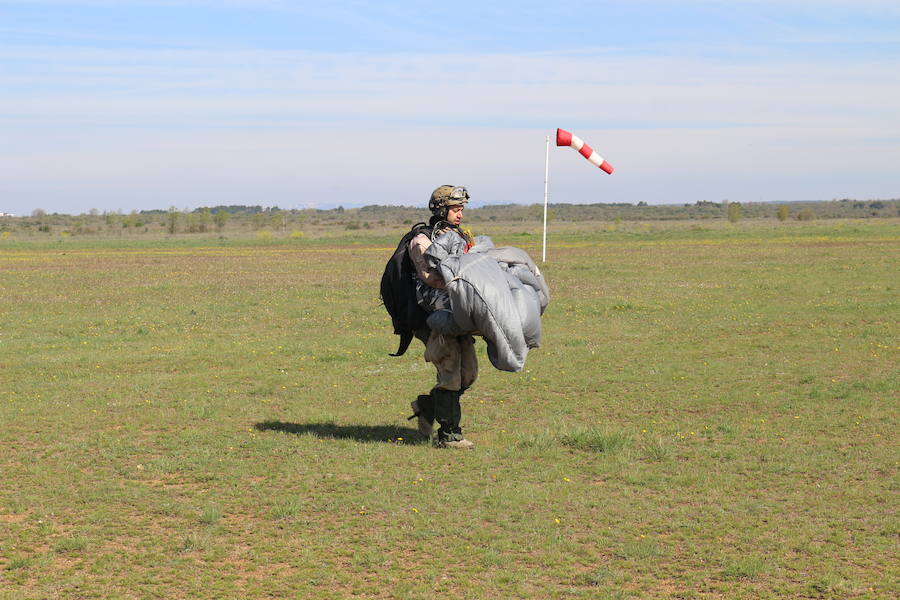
[564, 138]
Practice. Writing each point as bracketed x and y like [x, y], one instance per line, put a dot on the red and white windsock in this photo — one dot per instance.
[564, 138]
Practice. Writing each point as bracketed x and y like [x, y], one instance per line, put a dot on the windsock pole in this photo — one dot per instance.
[546, 189]
[567, 138]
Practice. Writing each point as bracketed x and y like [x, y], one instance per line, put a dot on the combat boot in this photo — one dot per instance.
[448, 413]
[453, 440]
[423, 409]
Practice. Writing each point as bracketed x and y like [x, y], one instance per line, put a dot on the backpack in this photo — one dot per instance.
[398, 291]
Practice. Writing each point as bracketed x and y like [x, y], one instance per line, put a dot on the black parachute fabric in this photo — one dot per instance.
[398, 291]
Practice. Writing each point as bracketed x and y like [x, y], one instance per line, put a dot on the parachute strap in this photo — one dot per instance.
[405, 340]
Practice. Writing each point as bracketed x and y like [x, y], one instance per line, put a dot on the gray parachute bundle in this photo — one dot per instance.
[497, 292]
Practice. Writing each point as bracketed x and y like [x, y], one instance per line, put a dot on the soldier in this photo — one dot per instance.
[453, 356]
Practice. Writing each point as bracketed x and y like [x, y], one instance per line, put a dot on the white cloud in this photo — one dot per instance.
[296, 167]
[86, 128]
[141, 88]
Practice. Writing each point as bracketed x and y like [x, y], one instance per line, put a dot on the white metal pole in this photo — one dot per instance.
[546, 180]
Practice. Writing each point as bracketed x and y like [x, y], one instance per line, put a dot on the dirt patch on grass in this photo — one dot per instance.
[16, 518]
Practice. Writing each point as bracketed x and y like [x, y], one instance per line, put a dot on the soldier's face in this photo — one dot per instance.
[455, 214]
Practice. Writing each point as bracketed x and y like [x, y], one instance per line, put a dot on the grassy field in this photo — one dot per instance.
[713, 414]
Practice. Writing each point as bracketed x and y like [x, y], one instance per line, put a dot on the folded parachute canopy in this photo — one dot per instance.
[498, 292]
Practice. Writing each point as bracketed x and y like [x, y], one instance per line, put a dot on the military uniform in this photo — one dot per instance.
[453, 356]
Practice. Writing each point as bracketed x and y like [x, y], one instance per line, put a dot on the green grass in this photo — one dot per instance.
[713, 414]
[70, 544]
[594, 440]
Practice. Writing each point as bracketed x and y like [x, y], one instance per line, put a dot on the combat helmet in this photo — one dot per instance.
[446, 196]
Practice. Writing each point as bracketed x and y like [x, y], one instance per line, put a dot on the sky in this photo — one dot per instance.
[152, 104]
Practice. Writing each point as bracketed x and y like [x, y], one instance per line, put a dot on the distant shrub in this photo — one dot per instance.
[220, 218]
[782, 213]
[805, 215]
[172, 220]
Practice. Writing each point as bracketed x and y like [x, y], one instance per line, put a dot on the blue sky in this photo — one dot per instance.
[150, 104]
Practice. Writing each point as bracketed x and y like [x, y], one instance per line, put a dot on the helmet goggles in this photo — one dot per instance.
[446, 196]
[459, 193]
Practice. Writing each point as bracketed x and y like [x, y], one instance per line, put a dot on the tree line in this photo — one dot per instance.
[260, 218]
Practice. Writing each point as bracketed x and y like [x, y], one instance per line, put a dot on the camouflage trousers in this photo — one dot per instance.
[455, 360]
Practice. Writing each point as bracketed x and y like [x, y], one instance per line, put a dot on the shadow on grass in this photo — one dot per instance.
[361, 433]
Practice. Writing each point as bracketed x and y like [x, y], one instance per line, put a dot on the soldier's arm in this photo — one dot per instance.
[417, 248]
